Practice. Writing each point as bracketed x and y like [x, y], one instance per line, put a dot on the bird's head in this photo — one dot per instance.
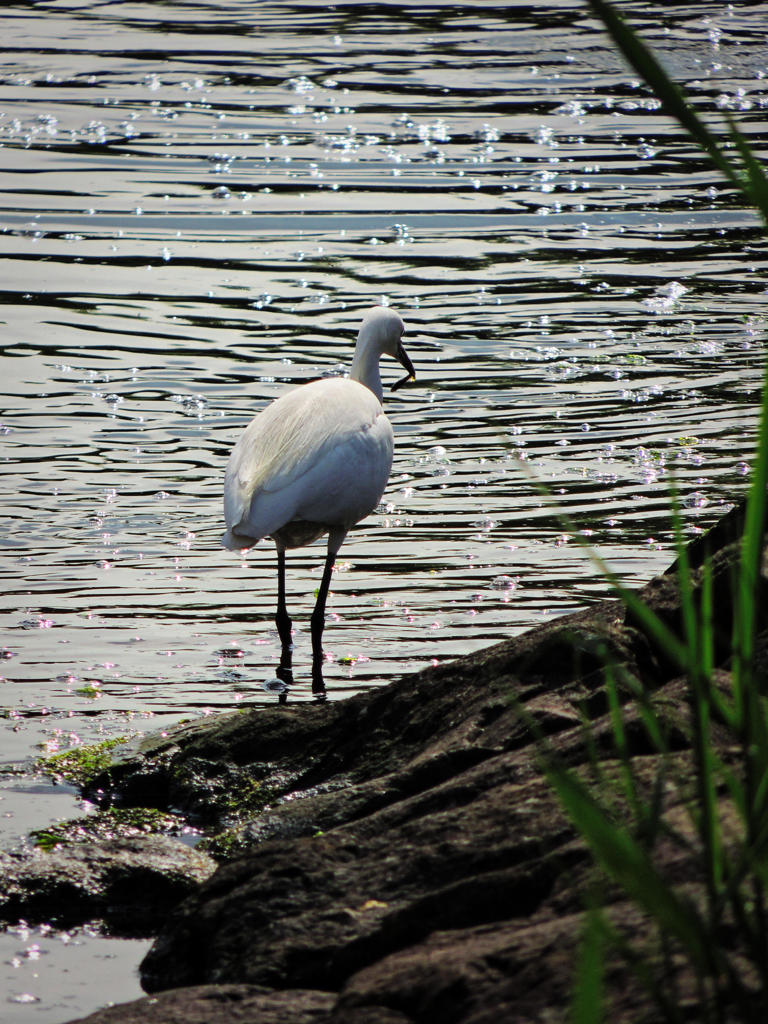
[382, 331]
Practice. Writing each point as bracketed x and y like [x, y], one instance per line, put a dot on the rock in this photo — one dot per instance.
[400, 857]
[432, 725]
[221, 1004]
[130, 883]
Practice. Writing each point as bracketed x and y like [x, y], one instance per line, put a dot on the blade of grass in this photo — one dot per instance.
[752, 547]
[647, 813]
[710, 764]
[698, 633]
[639, 964]
[630, 865]
[685, 580]
[646, 710]
[587, 1002]
[754, 727]
[620, 740]
[755, 173]
[705, 814]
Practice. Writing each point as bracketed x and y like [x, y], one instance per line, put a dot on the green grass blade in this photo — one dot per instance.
[685, 581]
[709, 822]
[620, 740]
[650, 720]
[587, 1001]
[752, 548]
[669, 642]
[758, 181]
[707, 629]
[701, 642]
[630, 865]
[735, 784]
[754, 717]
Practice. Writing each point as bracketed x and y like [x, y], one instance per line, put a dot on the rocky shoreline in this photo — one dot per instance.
[394, 858]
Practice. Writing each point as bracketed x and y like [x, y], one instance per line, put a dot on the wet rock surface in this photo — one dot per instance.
[399, 857]
[222, 1004]
[129, 883]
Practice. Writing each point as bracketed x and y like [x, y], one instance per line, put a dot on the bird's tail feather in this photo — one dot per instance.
[236, 541]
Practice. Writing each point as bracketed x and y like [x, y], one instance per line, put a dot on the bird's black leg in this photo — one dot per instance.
[317, 623]
[283, 622]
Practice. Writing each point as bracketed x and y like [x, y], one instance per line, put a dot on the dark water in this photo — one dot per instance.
[199, 200]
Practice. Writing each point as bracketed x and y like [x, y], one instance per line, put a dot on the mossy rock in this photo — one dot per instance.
[81, 764]
[226, 845]
[116, 823]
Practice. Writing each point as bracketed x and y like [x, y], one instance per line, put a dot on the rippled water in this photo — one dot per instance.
[198, 202]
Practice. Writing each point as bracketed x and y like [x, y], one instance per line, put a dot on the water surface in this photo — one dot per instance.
[200, 200]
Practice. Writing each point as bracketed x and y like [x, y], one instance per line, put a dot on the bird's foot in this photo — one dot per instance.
[318, 683]
[285, 673]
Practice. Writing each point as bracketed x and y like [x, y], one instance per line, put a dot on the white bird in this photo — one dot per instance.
[316, 461]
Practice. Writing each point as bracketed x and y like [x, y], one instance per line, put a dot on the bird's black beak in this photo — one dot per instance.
[402, 358]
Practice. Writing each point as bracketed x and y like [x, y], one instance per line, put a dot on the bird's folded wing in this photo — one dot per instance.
[291, 436]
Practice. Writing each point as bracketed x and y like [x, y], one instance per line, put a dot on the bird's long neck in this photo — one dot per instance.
[365, 369]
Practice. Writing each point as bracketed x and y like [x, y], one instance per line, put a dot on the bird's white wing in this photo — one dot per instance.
[284, 442]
